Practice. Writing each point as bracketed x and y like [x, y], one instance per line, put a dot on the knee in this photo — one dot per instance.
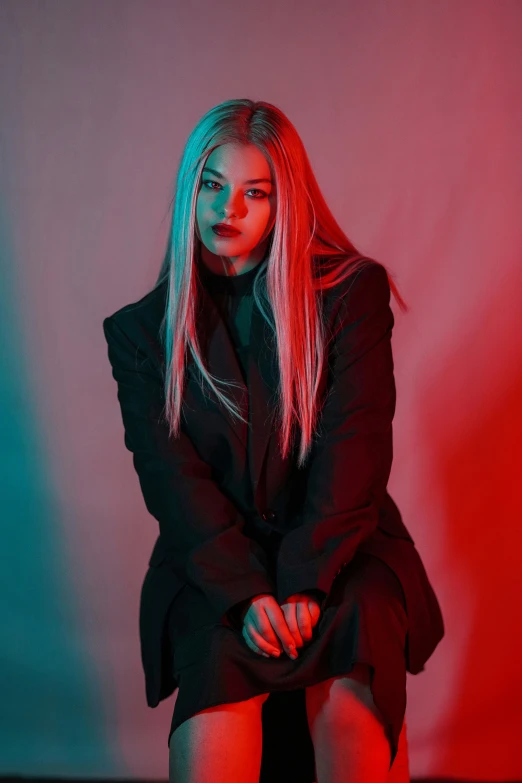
[343, 700]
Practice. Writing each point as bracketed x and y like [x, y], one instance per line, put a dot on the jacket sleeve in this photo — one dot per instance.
[199, 525]
[351, 458]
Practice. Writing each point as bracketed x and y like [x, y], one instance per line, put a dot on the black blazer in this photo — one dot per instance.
[334, 506]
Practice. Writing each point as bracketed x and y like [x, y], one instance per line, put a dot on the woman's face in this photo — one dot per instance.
[226, 196]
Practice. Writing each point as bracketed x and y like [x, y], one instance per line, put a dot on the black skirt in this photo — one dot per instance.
[363, 620]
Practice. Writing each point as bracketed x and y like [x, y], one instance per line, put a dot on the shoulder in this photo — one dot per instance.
[140, 320]
[358, 290]
[368, 286]
[369, 276]
[151, 303]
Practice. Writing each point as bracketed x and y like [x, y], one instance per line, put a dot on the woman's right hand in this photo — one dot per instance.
[265, 628]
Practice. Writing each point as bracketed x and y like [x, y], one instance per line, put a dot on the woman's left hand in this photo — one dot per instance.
[302, 614]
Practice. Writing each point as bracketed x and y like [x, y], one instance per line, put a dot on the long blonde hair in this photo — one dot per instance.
[305, 240]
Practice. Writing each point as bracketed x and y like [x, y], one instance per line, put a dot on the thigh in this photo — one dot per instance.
[245, 707]
[342, 695]
[219, 715]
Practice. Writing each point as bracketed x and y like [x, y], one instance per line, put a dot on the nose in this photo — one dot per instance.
[233, 205]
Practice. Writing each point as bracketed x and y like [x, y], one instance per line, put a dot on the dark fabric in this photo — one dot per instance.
[233, 297]
[363, 620]
[199, 488]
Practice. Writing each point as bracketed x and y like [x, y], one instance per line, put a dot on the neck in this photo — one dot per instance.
[231, 267]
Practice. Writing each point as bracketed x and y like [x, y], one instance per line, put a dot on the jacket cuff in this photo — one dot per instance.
[316, 593]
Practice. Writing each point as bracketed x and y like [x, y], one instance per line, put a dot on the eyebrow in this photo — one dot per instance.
[247, 182]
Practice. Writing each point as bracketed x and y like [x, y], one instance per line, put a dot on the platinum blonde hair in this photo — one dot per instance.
[307, 252]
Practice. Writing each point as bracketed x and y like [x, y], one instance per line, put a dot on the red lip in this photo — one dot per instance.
[223, 228]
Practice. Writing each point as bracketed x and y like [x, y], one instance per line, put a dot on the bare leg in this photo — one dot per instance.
[350, 743]
[220, 744]
[400, 771]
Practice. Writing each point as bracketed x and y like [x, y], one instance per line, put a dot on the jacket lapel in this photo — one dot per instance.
[257, 403]
[263, 381]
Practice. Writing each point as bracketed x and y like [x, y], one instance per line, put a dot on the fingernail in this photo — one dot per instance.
[275, 652]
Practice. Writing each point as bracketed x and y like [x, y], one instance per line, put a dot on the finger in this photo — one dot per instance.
[304, 620]
[278, 621]
[290, 613]
[315, 612]
[257, 643]
[260, 621]
[251, 644]
[246, 636]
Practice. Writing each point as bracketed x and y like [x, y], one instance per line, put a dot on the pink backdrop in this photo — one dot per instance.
[412, 116]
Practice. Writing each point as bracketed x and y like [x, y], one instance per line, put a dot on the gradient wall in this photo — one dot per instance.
[412, 116]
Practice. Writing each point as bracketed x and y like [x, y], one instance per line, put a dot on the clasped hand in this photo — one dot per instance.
[269, 628]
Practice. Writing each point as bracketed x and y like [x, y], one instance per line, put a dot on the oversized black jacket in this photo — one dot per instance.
[334, 506]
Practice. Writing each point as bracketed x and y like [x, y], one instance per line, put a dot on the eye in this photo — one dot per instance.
[262, 192]
[261, 195]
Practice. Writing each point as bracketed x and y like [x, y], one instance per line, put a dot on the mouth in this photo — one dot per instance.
[223, 230]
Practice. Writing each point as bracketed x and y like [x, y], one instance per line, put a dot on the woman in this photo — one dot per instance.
[257, 394]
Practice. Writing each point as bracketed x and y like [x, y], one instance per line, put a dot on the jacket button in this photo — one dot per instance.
[268, 514]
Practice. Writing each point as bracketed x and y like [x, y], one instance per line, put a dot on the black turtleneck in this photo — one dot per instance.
[233, 297]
